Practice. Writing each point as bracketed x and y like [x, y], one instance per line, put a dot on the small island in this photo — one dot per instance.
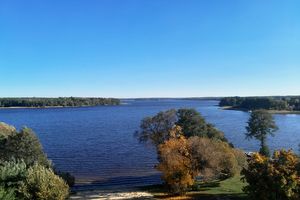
[274, 105]
[33, 102]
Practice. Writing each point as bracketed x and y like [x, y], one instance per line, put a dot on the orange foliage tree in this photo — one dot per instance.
[273, 178]
[182, 160]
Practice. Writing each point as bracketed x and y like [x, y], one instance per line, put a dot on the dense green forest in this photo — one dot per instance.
[61, 101]
[291, 103]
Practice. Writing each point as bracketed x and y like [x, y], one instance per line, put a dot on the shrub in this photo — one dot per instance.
[213, 158]
[42, 184]
[23, 145]
[7, 194]
[6, 130]
[12, 177]
[67, 177]
[272, 178]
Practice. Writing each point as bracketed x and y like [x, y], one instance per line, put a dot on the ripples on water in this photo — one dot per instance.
[96, 144]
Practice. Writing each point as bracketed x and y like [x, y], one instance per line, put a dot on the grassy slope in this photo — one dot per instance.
[230, 189]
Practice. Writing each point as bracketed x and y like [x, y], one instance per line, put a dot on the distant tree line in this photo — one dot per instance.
[61, 101]
[267, 103]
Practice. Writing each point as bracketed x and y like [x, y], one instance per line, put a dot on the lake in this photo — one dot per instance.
[96, 144]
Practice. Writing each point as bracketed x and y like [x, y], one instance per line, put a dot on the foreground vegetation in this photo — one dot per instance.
[25, 171]
[189, 148]
[195, 159]
[57, 102]
[196, 164]
[273, 104]
[229, 189]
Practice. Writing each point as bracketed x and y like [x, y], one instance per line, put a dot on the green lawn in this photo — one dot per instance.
[230, 189]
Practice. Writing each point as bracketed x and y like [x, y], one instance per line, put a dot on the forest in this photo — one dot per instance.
[289, 103]
[57, 102]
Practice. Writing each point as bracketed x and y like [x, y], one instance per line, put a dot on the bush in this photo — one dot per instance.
[7, 194]
[272, 178]
[213, 158]
[42, 184]
[67, 177]
[6, 130]
[12, 176]
[23, 145]
[25, 171]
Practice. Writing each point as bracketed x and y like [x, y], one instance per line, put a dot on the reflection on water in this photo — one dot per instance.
[96, 144]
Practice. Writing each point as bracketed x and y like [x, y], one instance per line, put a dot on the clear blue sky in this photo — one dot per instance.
[149, 48]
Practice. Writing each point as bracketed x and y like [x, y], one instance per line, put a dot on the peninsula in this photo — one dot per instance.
[33, 102]
[273, 104]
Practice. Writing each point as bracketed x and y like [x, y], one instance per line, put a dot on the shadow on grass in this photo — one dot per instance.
[206, 185]
[213, 190]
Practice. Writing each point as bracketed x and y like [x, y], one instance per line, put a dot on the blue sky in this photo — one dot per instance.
[143, 48]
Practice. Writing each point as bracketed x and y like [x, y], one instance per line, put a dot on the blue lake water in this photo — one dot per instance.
[96, 144]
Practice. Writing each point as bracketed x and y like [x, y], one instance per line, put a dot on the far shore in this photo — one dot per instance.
[46, 107]
[283, 112]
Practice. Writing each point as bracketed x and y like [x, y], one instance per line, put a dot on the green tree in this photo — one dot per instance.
[260, 125]
[23, 145]
[156, 129]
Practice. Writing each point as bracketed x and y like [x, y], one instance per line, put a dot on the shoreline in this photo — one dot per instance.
[283, 112]
[47, 107]
[121, 193]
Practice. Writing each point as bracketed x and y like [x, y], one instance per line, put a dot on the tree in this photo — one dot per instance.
[181, 160]
[273, 178]
[260, 125]
[23, 145]
[25, 171]
[212, 158]
[156, 129]
[175, 165]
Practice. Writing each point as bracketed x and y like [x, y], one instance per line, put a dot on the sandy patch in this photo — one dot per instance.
[111, 195]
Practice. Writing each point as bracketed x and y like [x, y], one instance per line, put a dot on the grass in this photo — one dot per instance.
[230, 189]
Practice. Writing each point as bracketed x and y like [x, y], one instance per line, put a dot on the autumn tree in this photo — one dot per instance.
[181, 160]
[260, 125]
[273, 178]
[175, 165]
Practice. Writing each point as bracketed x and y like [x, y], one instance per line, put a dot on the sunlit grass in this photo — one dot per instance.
[229, 189]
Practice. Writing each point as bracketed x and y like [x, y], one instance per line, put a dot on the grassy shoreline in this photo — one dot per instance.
[229, 189]
[269, 111]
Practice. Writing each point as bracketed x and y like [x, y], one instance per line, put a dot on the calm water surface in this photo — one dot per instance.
[96, 144]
